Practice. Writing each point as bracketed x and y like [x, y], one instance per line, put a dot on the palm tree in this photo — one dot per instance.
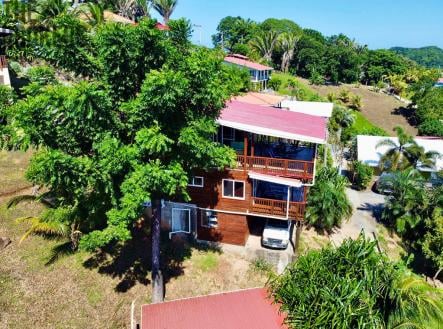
[165, 8]
[418, 157]
[417, 304]
[264, 44]
[328, 204]
[94, 13]
[397, 156]
[47, 10]
[288, 43]
[61, 222]
[407, 202]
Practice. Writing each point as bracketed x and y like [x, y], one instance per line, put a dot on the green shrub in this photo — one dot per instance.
[316, 79]
[261, 265]
[43, 75]
[275, 83]
[362, 175]
[431, 127]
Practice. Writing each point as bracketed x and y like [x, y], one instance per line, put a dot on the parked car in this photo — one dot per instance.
[276, 234]
[383, 184]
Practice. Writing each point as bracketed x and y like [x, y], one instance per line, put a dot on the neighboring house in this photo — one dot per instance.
[368, 153]
[4, 72]
[260, 74]
[250, 308]
[439, 83]
[276, 151]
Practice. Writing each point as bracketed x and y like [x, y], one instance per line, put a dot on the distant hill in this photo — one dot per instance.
[426, 56]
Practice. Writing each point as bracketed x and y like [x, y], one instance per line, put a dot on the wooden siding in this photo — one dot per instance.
[232, 229]
[3, 62]
[210, 197]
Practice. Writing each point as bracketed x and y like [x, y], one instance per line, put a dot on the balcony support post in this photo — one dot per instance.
[287, 202]
[245, 148]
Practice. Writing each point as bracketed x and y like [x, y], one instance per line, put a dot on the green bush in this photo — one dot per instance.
[43, 75]
[275, 83]
[316, 79]
[362, 175]
[431, 127]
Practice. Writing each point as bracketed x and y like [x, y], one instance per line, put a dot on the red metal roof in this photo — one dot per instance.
[161, 27]
[270, 121]
[245, 309]
[244, 61]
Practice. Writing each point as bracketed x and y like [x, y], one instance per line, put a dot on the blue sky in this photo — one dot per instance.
[377, 23]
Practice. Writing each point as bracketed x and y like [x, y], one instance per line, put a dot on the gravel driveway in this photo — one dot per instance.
[367, 208]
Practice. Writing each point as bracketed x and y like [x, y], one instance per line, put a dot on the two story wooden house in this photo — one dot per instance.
[276, 151]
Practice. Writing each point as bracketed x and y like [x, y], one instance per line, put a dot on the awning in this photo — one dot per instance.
[275, 179]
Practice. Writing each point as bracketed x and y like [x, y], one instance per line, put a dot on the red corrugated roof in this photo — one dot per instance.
[270, 121]
[244, 61]
[161, 27]
[245, 309]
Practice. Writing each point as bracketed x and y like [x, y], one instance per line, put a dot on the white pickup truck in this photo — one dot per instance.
[276, 233]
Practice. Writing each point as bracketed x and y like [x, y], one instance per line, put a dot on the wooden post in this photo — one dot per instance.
[287, 202]
[245, 148]
[252, 145]
[298, 229]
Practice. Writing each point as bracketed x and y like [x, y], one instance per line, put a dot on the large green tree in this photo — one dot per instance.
[108, 147]
[232, 31]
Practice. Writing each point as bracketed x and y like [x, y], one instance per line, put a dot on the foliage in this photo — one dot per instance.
[431, 127]
[362, 175]
[405, 154]
[288, 43]
[382, 63]
[430, 106]
[180, 32]
[264, 44]
[431, 57]
[432, 244]
[165, 8]
[327, 202]
[275, 83]
[234, 30]
[361, 126]
[354, 286]
[237, 79]
[355, 103]
[124, 62]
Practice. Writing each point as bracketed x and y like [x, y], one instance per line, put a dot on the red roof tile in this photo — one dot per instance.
[161, 27]
[270, 121]
[244, 61]
[245, 309]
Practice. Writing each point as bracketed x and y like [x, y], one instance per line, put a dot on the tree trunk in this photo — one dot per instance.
[157, 277]
[436, 274]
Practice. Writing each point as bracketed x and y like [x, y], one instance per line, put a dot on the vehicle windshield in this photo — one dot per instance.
[277, 223]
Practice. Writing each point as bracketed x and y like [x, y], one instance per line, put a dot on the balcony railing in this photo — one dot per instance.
[3, 62]
[278, 208]
[280, 167]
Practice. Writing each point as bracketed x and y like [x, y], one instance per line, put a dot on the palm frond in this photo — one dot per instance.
[40, 226]
[19, 199]
[59, 251]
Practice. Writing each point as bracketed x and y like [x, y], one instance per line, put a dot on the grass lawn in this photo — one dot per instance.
[296, 88]
[87, 290]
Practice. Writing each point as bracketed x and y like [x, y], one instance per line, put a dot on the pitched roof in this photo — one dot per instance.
[270, 121]
[234, 310]
[161, 27]
[244, 61]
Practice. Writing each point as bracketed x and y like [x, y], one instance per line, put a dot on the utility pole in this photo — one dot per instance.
[200, 27]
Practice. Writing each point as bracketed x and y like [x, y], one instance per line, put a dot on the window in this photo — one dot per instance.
[181, 220]
[196, 181]
[233, 189]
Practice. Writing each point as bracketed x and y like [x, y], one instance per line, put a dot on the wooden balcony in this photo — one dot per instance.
[3, 62]
[297, 169]
[278, 208]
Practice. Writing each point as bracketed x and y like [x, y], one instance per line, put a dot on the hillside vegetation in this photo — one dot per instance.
[431, 57]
